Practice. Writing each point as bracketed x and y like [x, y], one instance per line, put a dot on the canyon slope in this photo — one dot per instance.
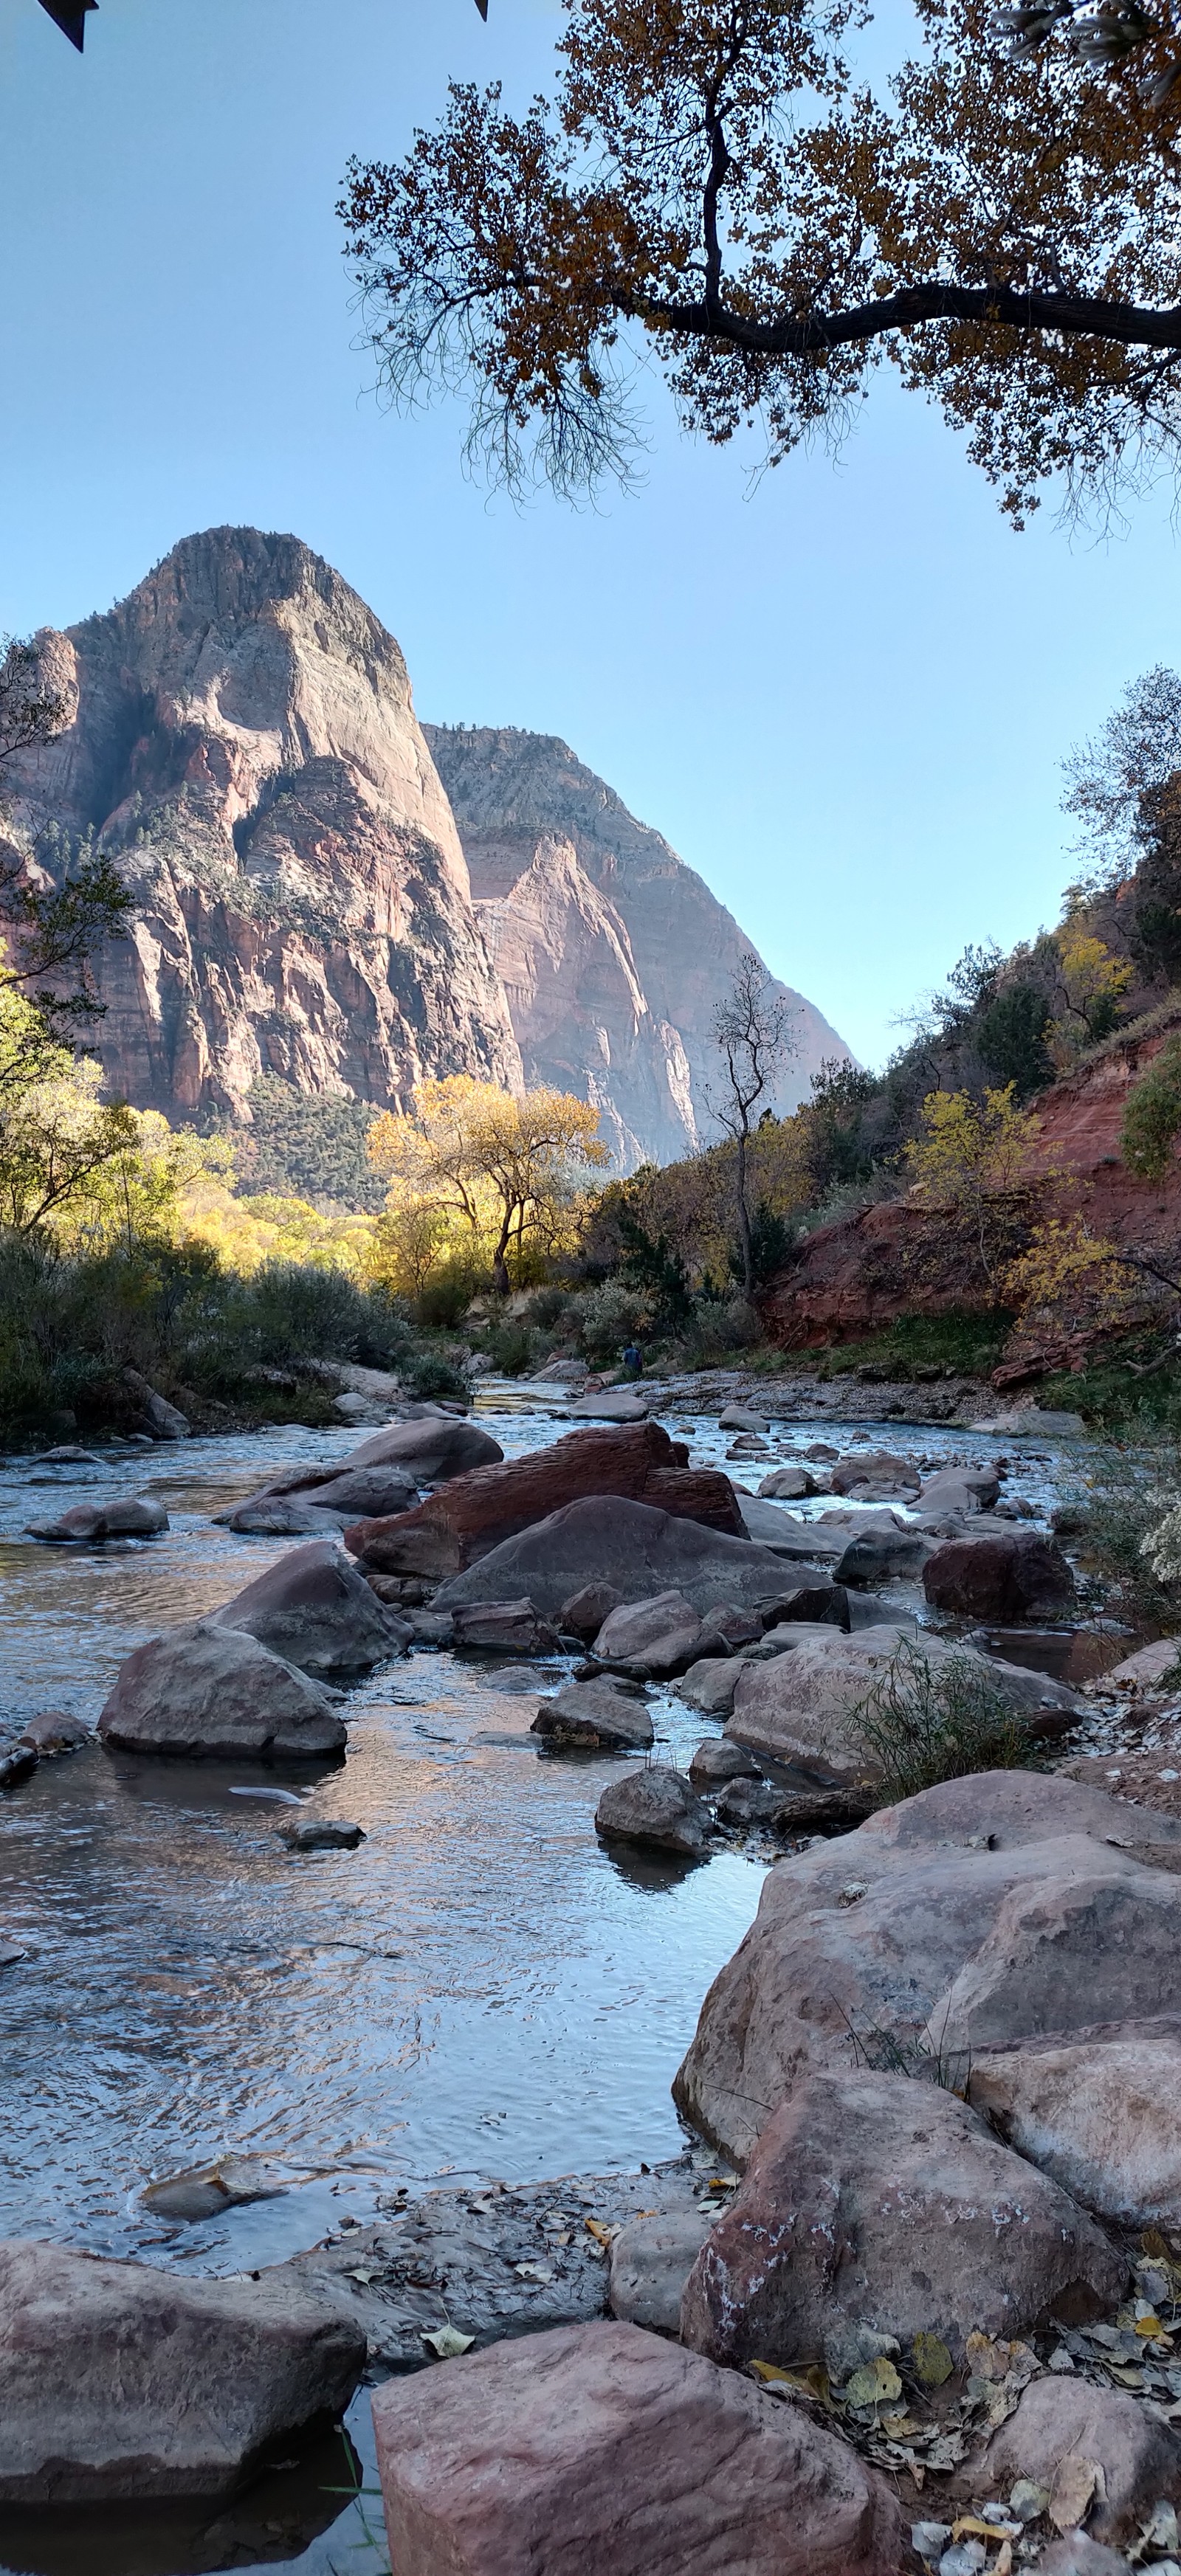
[613, 954]
[242, 741]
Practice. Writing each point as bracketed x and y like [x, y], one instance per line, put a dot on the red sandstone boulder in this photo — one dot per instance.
[475, 1513]
[875, 2202]
[1100, 2110]
[600, 2450]
[1020, 1576]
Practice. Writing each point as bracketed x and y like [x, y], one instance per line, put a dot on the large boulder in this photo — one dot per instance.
[1064, 2424]
[870, 1935]
[125, 1516]
[1100, 2111]
[875, 2202]
[120, 2381]
[473, 1514]
[205, 1691]
[1022, 1575]
[639, 1550]
[651, 1639]
[772, 1525]
[613, 1404]
[599, 1716]
[787, 1485]
[155, 1415]
[802, 1706]
[314, 1608]
[600, 2450]
[654, 1806]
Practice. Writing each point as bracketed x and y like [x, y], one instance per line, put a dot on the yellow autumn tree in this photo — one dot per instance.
[971, 1158]
[503, 1172]
[1090, 983]
[1070, 1280]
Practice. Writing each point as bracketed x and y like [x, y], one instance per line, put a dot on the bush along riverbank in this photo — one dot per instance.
[950, 2036]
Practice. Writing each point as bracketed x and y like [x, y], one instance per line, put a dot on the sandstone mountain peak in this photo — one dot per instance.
[243, 742]
[613, 953]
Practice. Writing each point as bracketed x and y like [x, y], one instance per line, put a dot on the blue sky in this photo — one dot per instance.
[843, 693]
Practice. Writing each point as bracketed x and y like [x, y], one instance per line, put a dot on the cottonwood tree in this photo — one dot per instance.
[709, 185]
[753, 1035]
[507, 1166]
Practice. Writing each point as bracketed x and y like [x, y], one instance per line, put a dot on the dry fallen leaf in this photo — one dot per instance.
[534, 2271]
[363, 2274]
[1073, 2491]
[812, 2381]
[602, 2235]
[1003, 2563]
[873, 2383]
[447, 2344]
[930, 2360]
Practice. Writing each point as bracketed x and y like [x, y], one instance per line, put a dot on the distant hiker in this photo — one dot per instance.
[633, 1362]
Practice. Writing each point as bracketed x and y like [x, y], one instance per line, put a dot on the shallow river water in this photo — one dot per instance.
[479, 1990]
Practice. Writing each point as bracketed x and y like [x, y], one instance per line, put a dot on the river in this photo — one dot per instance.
[479, 1990]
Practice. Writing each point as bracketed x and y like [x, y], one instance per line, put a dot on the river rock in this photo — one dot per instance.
[583, 1614]
[629, 2457]
[120, 2381]
[651, 1639]
[710, 1684]
[879, 1472]
[801, 1707]
[739, 1417]
[651, 2259]
[882, 1555]
[716, 1761]
[315, 1609]
[503, 1628]
[1063, 2421]
[155, 1415]
[206, 2191]
[961, 1489]
[1079, 2555]
[638, 1550]
[1099, 2111]
[207, 1690]
[655, 1806]
[130, 1516]
[743, 1802]
[613, 1404]
[788, 1485]
[319, 1833]
[18, 1761]
[727, 1631]
[473, 1514]
[872, 1933]
[874, 2201]
[1023, 1575]
[601, 1715]
[53, 1731]
[771, 1525]
[283, 1516]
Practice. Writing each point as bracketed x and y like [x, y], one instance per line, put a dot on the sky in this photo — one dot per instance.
[842, 690]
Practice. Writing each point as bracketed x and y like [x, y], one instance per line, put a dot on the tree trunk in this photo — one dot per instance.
[747, 1248]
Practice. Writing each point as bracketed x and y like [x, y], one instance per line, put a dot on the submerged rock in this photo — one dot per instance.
[629, 2458]
[53, 1731]
[207, 1691]
[117, 2380]
[123, 1517]
[320, 1833]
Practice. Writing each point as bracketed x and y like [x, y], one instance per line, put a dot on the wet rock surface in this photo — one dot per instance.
[207, 2373]
[597, 1715]
[654, 1806]
[205, 1690]
[314, 1609]
[132, 1517]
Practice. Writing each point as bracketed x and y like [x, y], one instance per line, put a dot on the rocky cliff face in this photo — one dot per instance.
[243, 741]
[613, 953]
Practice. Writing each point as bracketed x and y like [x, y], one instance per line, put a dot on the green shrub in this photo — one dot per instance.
[612, 1316]
[928, 1722]
[445, 1299]
[1152, 1118]
[510, 1347]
